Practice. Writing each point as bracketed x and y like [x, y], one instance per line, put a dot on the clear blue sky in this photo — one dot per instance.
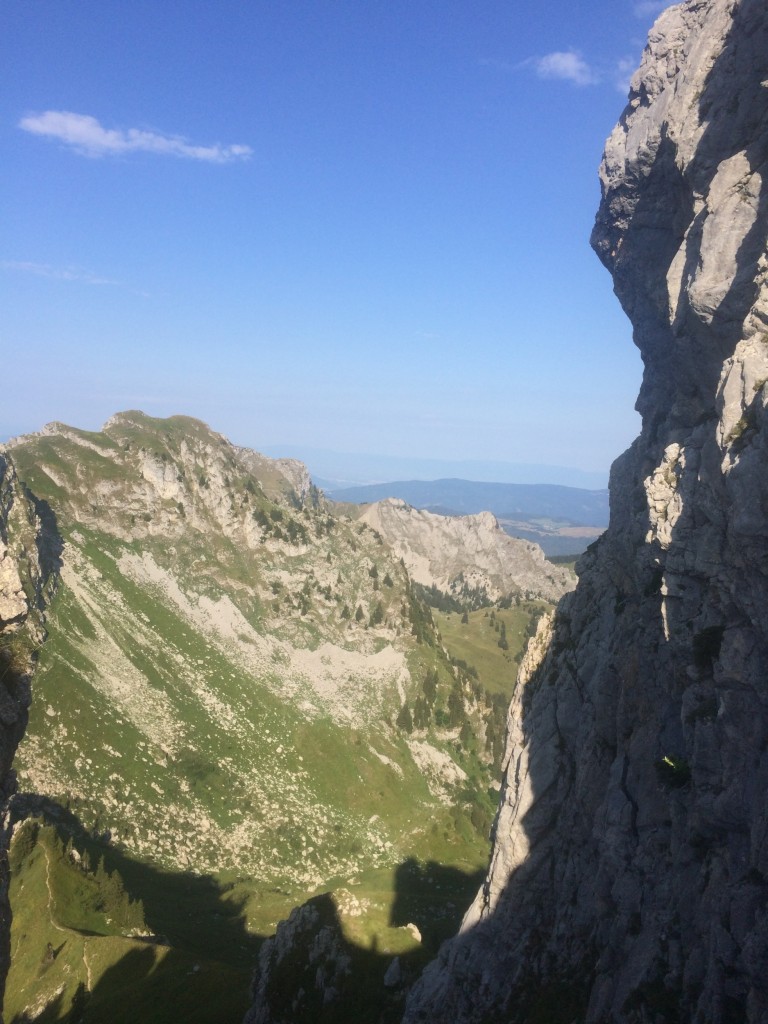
[352, 224]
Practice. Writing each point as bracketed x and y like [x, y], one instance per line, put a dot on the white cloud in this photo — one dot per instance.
[57, 273]
[569, 66]
[88, 137]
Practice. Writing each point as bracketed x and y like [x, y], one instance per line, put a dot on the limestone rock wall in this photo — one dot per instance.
[629, 871]
[451, 552]
[28, 553]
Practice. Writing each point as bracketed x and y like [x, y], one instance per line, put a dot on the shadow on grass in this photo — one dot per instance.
[433, 897]
[192, 912]
[198, 963]
[138, 987]
[195, 965]
[310, 973]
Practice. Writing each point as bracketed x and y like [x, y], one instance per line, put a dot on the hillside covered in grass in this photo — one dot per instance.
[241, 683]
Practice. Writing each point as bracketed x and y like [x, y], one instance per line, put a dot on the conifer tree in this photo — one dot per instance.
[404, 719]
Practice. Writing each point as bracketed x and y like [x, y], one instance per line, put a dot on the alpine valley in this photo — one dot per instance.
[241, 699]
[266, 730]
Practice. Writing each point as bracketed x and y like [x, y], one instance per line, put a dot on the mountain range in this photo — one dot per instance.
[334, 470]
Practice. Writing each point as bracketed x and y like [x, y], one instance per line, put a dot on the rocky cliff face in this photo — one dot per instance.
[28, 569]
[460, 553]
[629, 872]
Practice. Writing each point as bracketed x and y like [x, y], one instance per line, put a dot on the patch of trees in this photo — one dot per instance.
[429, 687]
[463, 599]
[536, 614]
[463, 666]
[404, 720]
[422, 623]
[437, 599]
[469, 597]
[502, 642]
[495, 725]
[281, 527]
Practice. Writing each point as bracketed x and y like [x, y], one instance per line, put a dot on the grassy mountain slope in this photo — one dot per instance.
[239, 684]
[80, 948]
[242, 701]
[224, 659]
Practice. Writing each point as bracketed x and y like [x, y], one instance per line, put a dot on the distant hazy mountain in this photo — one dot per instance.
[334, 470]
[508, 501]
[562, 520]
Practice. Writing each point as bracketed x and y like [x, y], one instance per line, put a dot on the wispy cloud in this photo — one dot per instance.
[70, 273]
[57, 273]
[568, 65]
[646, 8]
[90, 138]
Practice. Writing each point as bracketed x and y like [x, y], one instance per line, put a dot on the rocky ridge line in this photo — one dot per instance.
[451, 552]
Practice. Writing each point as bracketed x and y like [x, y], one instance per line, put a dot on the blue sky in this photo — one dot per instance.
[359, 226]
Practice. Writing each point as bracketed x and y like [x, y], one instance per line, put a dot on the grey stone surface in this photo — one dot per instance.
[629, 871]
[451, 552]
[27, 576]
[303, 969]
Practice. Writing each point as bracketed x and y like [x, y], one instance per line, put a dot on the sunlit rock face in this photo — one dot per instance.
[465, 552]
[629, 871]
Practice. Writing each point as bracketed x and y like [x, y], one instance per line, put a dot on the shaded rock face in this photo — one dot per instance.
[629, 871]
[302, 970]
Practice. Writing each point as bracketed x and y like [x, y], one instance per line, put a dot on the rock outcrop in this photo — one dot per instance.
[629, 872]
[28, 566]
[304, 969]
[465, 553]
